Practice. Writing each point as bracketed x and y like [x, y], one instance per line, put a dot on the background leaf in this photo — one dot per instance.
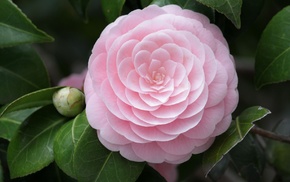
[230, 8]
[32, 147]
[249, 14]
[220, 168]
[248, 158]
[235, 134]
[35, 99]
[150, 174]
[193, 5]
[278, 152]
[16, 28]
[80, 7]
[1, 173]
[10, 122]
[65, 142]
[273, 52]
[21, 72]
[93, 162]
[112, 9]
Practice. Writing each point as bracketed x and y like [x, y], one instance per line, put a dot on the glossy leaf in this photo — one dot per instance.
[230, 8]
[16, 28]
[21, 72]
[188, 4]
[273, 52]
[80, 7]
[235, 134]
[112, 9]
[31, 149]
[93, 162]
[10, 122]
[66, 141]
[35, 99]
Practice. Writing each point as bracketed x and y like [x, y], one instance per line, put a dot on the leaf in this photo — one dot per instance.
[235, 134]
[32, 147]
[10, 122]
[65, 142]
[219, 169]
[145, 3]
[230, 8]
[112, 9]
[80, 7]
[249, 14]
[188, 4]
[278, 151]
[16, 28]
[35, 99]
[249, 159]
[273, 52]
[93, 162]
[21, 72]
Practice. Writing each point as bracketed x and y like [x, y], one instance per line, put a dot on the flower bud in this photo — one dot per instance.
[69, 101]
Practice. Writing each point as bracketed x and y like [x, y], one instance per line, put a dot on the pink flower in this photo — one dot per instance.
[168, 171]
[74, 80]
[161, 85]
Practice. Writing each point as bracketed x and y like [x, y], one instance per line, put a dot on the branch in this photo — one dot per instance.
[271, 135]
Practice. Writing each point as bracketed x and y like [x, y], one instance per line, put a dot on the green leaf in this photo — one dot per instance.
[21, 72]
[31, 149]
[188, 4]
[16, 28]
[235, 134]
[112, 9]
[65, 142]
[10, 122]
[35, 99]
[145, 3]
[249, 14]
[273, 52]
[219, 169]
[230, 8]
[249, 159]
[93, 162]
[80, 7]
[278, 151]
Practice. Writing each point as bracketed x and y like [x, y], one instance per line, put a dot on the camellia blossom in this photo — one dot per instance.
[75, 80]
[161, 85]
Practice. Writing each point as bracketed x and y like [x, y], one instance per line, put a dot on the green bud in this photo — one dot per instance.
[69, 101]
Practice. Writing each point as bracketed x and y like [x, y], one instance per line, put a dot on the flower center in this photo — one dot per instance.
[157, 78]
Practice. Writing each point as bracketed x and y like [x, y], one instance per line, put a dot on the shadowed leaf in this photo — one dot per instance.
[31, 149]
[16, 28]
[18, 69]
[235, 134]
[230, 8]
[273, 52]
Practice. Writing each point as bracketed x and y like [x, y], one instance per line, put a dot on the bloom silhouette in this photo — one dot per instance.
[161, 85]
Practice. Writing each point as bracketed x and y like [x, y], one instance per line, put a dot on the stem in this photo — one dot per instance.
[271, 135]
